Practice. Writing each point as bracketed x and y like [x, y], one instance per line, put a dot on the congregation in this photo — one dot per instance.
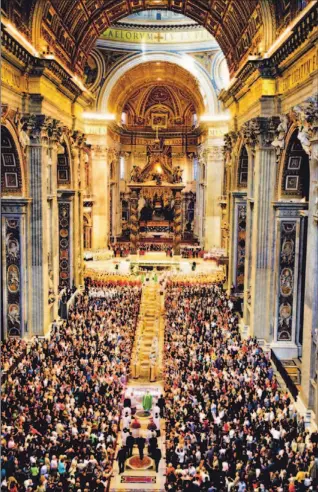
[228, 424]
[60, 404]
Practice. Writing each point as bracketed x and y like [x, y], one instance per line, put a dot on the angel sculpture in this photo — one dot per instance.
[135, 175]
[177, 174]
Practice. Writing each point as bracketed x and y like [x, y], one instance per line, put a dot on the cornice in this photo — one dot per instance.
[34, 66]
[153, 27]
[269, 67]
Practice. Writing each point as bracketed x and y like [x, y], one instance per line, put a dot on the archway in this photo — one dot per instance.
[226, 22]
[195, 73]
[13, 239]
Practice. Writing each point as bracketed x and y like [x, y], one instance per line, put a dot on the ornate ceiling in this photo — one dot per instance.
[70, 28]
[140, 92]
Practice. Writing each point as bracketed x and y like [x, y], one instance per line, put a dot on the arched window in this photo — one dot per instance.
[11, 175]
[242, 177]
[295, 177]
[63, 167]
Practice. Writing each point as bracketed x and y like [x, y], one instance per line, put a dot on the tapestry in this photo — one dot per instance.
[13, 276]
[64, 244]
[286, 280]
[241, 238]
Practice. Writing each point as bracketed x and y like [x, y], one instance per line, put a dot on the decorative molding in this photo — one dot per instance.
[259, 132]
[306, 115]
[280, 136]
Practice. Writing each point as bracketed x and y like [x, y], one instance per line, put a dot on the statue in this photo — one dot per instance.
[177, 174]
[281, 131]
[303, 137]
[135, 174]
[51, 288]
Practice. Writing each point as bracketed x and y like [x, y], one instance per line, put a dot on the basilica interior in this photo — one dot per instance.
[158, 158]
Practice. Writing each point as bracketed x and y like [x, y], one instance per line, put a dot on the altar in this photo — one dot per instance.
[155, 199]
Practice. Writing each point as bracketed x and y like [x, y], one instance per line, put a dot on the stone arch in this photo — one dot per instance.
[269, 24]
[205, 84]
[294, 173]
[12, 162]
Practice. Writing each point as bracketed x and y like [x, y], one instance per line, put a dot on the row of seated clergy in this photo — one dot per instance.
[147, 213]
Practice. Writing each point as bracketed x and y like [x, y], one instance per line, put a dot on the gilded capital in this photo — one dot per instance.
[259, 132]
[37, 129]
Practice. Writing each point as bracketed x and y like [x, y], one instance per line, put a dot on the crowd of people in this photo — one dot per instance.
[228, 425]
[61, 404]
[11, 350]
[191, 252]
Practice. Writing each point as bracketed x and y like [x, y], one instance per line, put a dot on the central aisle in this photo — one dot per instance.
[146, 370]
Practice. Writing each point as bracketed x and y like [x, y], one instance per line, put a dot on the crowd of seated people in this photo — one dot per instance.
[191, 252]
[121, 250]
[60, 405]
[229, 427]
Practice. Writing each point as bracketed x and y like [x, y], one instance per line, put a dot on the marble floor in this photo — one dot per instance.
[150, 328]
[139, 390]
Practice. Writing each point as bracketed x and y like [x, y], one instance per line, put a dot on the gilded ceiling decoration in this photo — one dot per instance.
[140, 92]
[70, 28]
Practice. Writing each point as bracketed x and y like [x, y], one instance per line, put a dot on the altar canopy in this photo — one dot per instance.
[155, 198]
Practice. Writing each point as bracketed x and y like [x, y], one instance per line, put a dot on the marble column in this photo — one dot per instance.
[78, 182]
[15, 294]
[53, 226]
[134, 222]
[258, 134]
[100, 188]
[308, 136]
[285, 317]
[214, 189]
[39, 130]
[200, 198]
[177, 222]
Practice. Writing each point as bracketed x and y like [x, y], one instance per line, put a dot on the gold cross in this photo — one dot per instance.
[159, 37]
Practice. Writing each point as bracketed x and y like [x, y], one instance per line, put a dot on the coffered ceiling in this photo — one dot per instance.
[70, 28]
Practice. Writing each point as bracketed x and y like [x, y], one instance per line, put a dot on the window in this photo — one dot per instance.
[124, 118]
[195, 169]
[122, 167]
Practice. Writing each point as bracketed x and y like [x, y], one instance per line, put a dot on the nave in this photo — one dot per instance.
[71, 400]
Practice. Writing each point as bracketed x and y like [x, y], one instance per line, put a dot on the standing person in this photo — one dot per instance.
[130, 442]
[147, 402]
[161, 404]
[141, 441]
[157, 457]
[121, 458]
